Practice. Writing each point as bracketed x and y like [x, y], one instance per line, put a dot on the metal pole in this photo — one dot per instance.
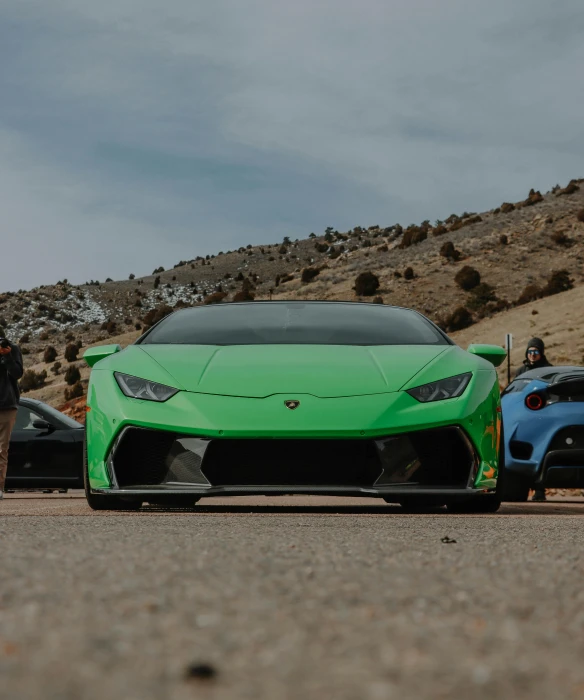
[509, 364]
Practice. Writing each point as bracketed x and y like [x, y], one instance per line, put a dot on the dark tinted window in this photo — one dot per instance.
[66, 421]
[296, 323]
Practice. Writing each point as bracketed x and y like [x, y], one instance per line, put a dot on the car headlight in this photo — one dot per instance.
[137, 388]
[443, 389]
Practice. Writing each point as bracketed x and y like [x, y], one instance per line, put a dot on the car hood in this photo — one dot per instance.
[257, 371]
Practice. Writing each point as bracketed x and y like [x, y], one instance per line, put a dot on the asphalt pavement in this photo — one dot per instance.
[308, 598]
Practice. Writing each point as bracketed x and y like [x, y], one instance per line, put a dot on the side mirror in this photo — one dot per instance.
[41, 424]
[93, 355]
[493, 353]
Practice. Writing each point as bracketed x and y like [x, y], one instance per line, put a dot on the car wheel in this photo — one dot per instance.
[516, 487]
[492, 502]
[97, 501]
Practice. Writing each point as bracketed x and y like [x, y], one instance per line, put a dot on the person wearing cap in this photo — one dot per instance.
[10, 372]
[535, 358]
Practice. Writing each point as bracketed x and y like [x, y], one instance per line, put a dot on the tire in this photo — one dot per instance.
[516, 488]
[492, 502]
[100, 502]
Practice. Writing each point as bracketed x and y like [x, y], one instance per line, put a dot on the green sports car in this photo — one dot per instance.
[294, 397]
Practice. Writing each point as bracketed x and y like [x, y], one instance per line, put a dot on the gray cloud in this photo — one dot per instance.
[135, 134]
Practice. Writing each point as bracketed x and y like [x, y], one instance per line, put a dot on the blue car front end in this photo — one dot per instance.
[544, 431]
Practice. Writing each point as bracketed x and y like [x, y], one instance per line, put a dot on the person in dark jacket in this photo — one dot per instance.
[10, 372]
[535, 358]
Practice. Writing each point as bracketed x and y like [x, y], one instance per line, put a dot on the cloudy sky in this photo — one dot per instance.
[135, 133]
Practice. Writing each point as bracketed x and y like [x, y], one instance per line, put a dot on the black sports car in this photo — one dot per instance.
[46, 449]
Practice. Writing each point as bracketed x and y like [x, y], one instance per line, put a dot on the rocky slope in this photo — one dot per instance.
[515, 249]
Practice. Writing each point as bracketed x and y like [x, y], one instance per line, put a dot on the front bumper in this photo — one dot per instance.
[440, 462]
[319, 422]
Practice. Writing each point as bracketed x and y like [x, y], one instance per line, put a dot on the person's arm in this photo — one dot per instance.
[12, 362]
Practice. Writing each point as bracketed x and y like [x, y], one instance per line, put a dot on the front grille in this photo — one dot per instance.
[289, 462]
[441, 457]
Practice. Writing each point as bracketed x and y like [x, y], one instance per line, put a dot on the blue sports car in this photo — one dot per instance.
[543, 425]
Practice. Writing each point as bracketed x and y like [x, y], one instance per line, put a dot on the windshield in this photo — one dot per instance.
[295, 323]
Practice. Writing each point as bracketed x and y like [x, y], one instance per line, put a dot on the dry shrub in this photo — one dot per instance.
[75, 392]
[560, 238]
[243, 295]
[481, 296]
[409, 273]
[449, 252]
[366, 284]
[467, 278]
[533, 197]
[559, 281]
[32, 380]
[154, 315]
[580, 215]
[71, 352]
[570, 189]
[378, 300]
[413, 235]
[460, 318]
[506, 207]
[461, 223]
[56, 368]
[321, 247]
[50, 354]
[503, 239]
[530, 293]
[72, 375]
[382, 249]
[439, 230]
[309, 273]
[215, 298]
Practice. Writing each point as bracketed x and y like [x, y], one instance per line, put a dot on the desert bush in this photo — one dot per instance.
[239, 277]
[71, 352]
[72, 375]
[506, 207]
[559, 281]
[50, 354]
[449, 252]
[32, 380]
[132, 276]
[480, 297]
[460, 318]
[378, 300]
[155, 315]
[243, 295]
[283, 278]
[580, 215]
[382, 249]
[44, 336]
[25, 338]
[309, 273]
[157, 282]
[75, 392]
[138, 326]
[530, 293]
[56, 368]
[409, 273]
[462, 223]
[570, 189]
[467, 278]
[560, 238]
[25, 351]
[215, 298]
[158, 269]
[321, 247]
[282, 249]
[533, 197]
[397, 274]
[439, 230]
[413, 235]
[503, 240]
[366, 284]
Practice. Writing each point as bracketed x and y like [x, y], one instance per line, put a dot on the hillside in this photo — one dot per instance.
[514, 248]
